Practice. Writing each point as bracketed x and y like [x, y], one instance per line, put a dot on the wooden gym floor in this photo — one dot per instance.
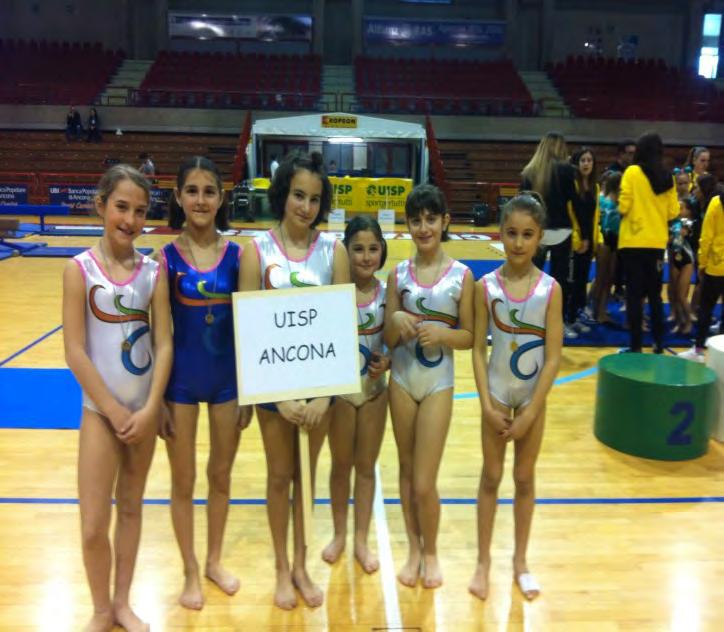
[618, 543]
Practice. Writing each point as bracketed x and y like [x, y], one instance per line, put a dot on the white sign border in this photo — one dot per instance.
[285, 394]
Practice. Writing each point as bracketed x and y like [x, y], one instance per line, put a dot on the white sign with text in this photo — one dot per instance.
[296, 343]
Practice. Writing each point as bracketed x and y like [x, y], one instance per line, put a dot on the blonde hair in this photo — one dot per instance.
[117, 173]
[551, 149]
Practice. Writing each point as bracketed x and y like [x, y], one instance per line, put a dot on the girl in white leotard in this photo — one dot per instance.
[521, 305]
[123, 370]
[358, 421]
[430, 313]
[293, 254]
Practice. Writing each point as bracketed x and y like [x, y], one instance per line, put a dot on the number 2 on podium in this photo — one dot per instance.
[678, 435]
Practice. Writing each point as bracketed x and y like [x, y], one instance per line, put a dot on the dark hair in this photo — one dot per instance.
[176, 216]
[526, 202]
[612, 182]
[575, 160]
[650, 157]
[110, 179]
[707, 184]
[621, 147]
[426, 197]
[282, 182]
[361, 223]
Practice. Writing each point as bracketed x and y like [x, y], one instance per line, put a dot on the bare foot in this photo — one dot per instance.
[525, 580]
[311, 593]
[432, 574]
[100, 622]
[366, 558]
[410, 572]
[222, 578]
[478, 585]
[284, 595]
[334, 549]
[191, 597]
[128, 620]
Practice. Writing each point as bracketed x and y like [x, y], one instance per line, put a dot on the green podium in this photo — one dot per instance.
[655, 406]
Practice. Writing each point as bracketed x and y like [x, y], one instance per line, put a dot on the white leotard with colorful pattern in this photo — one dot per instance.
[118, 313]
[518, 332]
[419, 371]
[370, 323]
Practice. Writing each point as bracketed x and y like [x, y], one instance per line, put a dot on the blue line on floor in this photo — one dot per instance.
[31, 345]
[561, 380]
[663, 500]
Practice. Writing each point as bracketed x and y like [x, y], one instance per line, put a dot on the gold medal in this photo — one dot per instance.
[513, 346]
[126, 346]
[209, 318]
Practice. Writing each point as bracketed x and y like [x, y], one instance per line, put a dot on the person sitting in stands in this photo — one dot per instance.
[94, 127]
[73, 125]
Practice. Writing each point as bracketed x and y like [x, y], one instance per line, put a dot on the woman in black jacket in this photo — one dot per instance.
[550, 175]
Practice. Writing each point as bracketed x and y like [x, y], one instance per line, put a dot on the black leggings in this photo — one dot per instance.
[643, 272]
[581, 270]
[712, 289]
[561, 268]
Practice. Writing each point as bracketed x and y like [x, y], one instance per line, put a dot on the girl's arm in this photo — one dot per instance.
[76, 356]
[491, 415]
[625, 197]
[147, 418]
[461, 337]
[399, 325]
[250, 269]
[551, 364]
[245, 412]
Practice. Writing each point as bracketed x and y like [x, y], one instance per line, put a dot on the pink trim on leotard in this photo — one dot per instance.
[284, 252]
[82, 269]
[374, 298]
[193, 267]
[550, 291]
[440, 278]
[508, 296]
[136, 272]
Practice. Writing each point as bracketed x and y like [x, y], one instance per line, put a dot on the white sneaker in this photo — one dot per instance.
[581, 327]
[569, 333]
[692, 354]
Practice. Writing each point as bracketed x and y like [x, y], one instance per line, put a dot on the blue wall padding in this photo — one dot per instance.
[39, 398]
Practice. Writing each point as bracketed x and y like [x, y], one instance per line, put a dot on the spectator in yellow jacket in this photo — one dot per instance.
[647, 203]
[711, 273]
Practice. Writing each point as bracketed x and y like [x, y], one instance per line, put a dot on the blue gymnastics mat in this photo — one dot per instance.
[67, 251]
[39, 398]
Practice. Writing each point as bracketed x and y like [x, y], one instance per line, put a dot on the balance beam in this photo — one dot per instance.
[41, 210]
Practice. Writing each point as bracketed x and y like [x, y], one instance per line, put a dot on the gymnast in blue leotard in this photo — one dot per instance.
[203, 270]
[521, 305]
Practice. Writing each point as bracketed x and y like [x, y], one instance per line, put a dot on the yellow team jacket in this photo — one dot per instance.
[576, 234]
[645, 216]
[711, 242]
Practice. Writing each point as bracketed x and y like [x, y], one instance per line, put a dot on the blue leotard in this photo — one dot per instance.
[204, 362]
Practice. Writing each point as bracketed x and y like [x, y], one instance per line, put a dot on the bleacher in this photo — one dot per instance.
[435, 86]
[54, 72]
[227, 80]
[42, 153]
[647, 89]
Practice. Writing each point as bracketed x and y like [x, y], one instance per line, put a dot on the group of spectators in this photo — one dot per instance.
[635, 215]
[74, 126]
